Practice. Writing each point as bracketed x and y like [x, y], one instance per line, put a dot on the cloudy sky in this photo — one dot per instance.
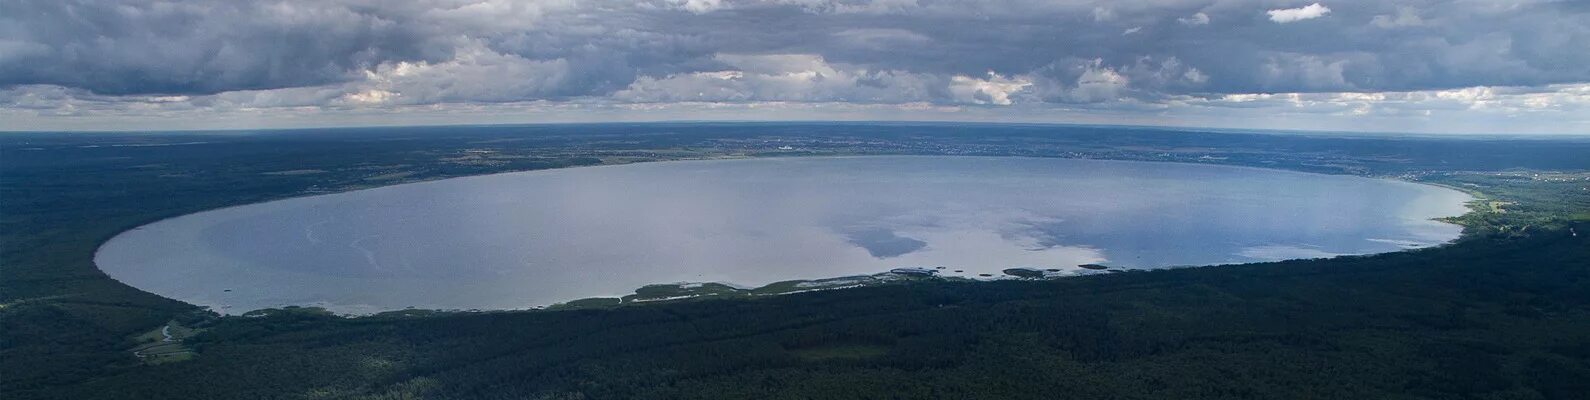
[1461, 66]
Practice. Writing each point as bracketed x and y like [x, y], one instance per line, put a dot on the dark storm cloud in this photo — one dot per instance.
[882, 51]
[137, 47]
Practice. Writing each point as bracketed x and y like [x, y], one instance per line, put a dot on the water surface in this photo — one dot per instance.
[535, 238]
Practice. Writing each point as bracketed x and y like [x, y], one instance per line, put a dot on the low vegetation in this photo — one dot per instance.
[165, 344]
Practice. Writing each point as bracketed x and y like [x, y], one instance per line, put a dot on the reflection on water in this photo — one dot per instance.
[883, 242]
[535, 238]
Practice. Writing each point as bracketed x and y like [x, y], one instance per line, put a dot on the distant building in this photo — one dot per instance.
[914, 271]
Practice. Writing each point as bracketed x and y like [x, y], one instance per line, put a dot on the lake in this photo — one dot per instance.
[516, 240]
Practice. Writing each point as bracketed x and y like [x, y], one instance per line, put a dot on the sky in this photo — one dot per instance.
[1458, 67]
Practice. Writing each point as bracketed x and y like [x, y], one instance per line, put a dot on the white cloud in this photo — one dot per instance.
[1471, 101]
[1195, 19]
[372, 96]
[1097, 84]
[475, 74]
[1103, 14]
[783, 77]
[851, 6]
[493, 15]
[1310, 11]
[810, 78]
[1132, 30]
[996, 89]
[697, 6]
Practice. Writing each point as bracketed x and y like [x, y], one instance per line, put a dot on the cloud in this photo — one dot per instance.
[880, 38]
[210, 46]
[1287, 15]
[201, 47]
[1103, 14]
[1097, 84]
[1496, 101]
[84, 57]
[698, 6]
[876, 7]
[994, 89]
[810, 78]
[1195, 19]
[476, 73]
[1405, 17]
[1308, 72]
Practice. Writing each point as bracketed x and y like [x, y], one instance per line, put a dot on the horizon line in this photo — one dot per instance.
[1179, 128]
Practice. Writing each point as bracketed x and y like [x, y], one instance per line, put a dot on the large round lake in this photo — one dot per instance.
[534, 238]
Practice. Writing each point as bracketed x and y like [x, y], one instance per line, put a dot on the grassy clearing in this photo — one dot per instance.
[165, 344]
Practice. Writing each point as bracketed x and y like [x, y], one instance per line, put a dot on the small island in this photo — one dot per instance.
[1024, 272]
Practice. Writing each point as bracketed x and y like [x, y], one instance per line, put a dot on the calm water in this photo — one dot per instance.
[536, 238]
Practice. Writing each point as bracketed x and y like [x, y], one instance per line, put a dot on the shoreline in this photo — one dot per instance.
[1475, 197]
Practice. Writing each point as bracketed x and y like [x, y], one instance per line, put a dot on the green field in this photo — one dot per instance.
[165, 344]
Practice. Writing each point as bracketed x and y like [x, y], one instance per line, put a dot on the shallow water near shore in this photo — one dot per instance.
[516, 240]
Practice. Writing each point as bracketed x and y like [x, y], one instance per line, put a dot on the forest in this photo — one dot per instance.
[1503, 313]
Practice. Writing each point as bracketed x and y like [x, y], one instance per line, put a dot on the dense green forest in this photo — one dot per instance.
[1488, 318]
[1502, 314]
